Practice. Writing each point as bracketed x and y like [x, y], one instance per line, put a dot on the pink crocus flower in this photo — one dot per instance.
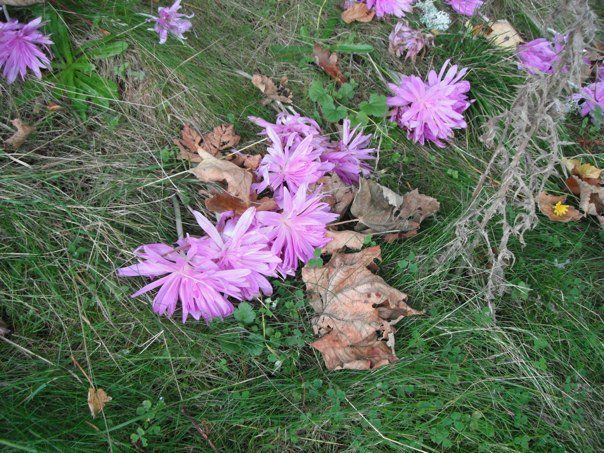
[298, 229]
[22, 47]
[170, 21]
[291, 163]
[465, 7]
[591, 99]
[240, 245]
[184, 275]
[396, 8]
[431, 110]
[404, 39]
[541, 55]
[350, 154]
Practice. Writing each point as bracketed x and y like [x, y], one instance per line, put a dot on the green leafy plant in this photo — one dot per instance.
[75, 74]
[150, 413]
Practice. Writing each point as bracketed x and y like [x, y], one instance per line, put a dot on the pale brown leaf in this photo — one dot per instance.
[547, 205]
[97, 398]
[251, 162]
[338, 195]
[343, 239]
[191, 142]
[503, 34]
[358, 13]
[271, 91]
[381, 209]
[19, 137]
[591, 200]
[211, 169]
[224, 202]
[328, 62]
[356, 311]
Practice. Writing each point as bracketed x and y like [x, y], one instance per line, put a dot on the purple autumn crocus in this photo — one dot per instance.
[350, 154]
[288, 124]
[396, 8]
[290, 163]
[431, 110]
[465, 7]
[591, 100]
[186, 276]
[170, 22]
[406, 40]
[240, 245]
[22, 48]
[541, 55]
[298, 229]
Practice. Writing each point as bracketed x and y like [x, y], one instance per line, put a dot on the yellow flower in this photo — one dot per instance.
[560, 209]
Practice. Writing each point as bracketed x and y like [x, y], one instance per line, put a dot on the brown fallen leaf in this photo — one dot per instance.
[19, 137]
[189, 143]
[554, 208]
[224, 202]
[218, 139]
[584, 171]
[591, 200]
[271, 91]
[97, 398]
[359, 13]
[328, 62]
[251, 162]
[381, 209]
[338, 195]
[356, 311]
[503, 34]
[211, 169]
[344, 239]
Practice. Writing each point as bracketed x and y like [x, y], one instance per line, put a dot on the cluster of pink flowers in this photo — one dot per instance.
[431, 110]
[22, 48]
[404, 39]
[591, 100]
[541, 55]
[465, 7]
[383, 8]
[235, 257]
[170, 22]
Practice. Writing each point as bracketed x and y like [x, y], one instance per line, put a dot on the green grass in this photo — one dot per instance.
[93, 192]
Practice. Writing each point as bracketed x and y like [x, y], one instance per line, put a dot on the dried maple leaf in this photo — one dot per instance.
[271, 91]
[359, 13]
[328, 62]
[356, 311]
[337, 194]
[211, 169]
[344, 239]
[19, 137]
[554, 208]
[224, 202]
[381, 209]
[503, 34]
[97, 398]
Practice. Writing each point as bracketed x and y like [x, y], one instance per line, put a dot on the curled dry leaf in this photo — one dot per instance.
[381, 209]
[328, 62]
[211, 169]
[584, 171]
[503, 34]
[192, 142]
[19, 137]
[97, 398]
[592, 200]
[189, 143]
[344, 239]
[358, 13]
[224, 202]
[271, 91]
[337, 194]
[356, 311]
[251, 162]
[554, 208]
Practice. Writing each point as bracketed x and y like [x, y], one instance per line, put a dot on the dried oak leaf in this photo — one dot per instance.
[328, 62]
[249, 161]
[97, 398]
[19, 137]
[189, 143]
[338, 195]
[548, 204]
[359, 13]
[503, 34]
[344, 239]
[271, 91]
[224, 202]
[381, 209]
[192, 142]
[356, 311]
[211, 169]
[592, 200]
